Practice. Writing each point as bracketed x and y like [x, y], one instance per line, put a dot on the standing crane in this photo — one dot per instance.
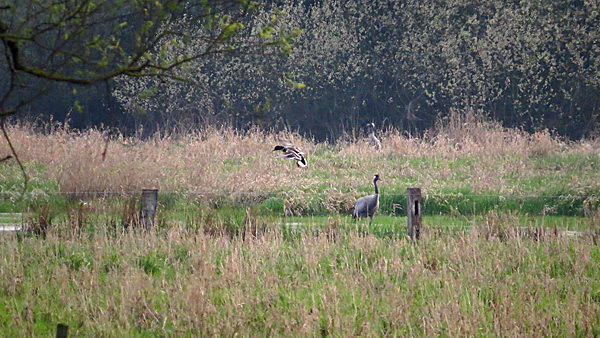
[373, 140]
[367, 206]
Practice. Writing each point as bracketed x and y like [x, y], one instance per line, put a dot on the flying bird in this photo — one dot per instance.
[292, 152]
[367, 206]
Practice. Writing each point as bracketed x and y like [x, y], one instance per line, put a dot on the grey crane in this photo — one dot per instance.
[367, 206]
[373, 140]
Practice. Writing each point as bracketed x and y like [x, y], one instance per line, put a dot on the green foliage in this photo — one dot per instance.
[230, 29]
[77, 260]
[147, 93]
[226, 220]
[152, 263]
[112, 261]
[13, 196]
[272, 205]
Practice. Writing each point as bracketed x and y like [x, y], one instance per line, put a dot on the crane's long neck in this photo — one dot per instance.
[376, 190]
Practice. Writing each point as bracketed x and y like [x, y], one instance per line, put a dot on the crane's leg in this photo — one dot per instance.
[371, 222]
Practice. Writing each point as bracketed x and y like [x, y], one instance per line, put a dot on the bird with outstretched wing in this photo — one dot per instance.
[292, 152]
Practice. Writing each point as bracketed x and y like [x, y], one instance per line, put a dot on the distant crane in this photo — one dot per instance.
[410, 114]
[373, 140]
[367, 206]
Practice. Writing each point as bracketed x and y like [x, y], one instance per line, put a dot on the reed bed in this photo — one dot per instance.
[464, 154]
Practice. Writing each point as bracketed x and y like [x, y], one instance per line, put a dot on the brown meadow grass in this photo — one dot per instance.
[226, 162]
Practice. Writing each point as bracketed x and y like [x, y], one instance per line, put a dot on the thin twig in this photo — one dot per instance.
[14, 153]
[105, 151]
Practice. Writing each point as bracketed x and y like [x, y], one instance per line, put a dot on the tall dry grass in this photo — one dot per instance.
[213, 161]
[226, 161]
[471, 134]
[187, 283]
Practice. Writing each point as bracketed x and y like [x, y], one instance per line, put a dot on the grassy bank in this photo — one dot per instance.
[464, 166]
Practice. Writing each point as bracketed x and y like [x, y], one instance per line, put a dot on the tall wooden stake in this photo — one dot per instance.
[414, 209]
[148, 208]
[62, 331]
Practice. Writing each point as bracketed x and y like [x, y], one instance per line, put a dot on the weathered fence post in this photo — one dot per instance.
[148, 208]
[62, 331]
[414, 209]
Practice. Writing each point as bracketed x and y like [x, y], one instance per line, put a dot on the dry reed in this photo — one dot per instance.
[226, 162]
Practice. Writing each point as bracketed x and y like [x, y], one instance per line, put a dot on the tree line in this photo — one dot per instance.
[326, 68]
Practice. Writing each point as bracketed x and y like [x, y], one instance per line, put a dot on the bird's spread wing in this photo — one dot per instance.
[292, 152]
[293, 149]
[288, 147]
[291, 155]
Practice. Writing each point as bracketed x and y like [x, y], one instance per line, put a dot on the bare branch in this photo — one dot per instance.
[14, 153]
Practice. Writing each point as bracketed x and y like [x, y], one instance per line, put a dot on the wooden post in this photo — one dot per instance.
[414, 209]
[148, 208]
[62, 331]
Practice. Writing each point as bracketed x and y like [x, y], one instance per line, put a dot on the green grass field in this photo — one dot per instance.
[330, 280]
[229, 271]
